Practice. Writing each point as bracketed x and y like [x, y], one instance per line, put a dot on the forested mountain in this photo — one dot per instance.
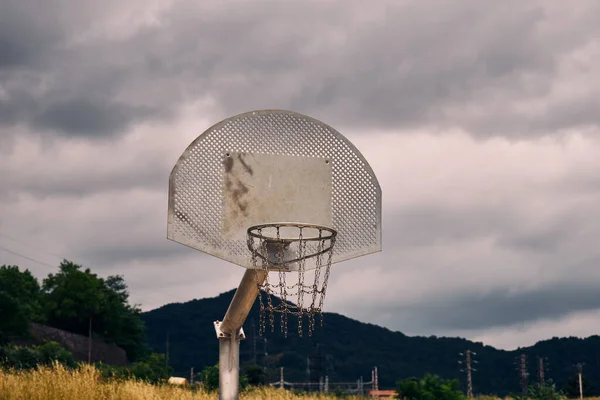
[346, 349]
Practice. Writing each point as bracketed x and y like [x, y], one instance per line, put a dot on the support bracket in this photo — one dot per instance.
[220, 334]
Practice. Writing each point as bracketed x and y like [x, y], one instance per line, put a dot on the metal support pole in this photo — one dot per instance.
[229, 332]
[229, 367]
[242, 301]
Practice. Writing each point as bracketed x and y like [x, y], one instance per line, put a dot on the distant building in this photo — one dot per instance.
[382, 394]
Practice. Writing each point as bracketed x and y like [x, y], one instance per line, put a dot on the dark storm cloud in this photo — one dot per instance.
[393, 66]
[76, 116]
[499, 307]
[157, 248]
[26, 33]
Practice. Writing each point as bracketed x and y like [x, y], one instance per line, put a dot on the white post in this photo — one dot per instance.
[229, 367]
[376, 383]
[229, 332]
[580, 373]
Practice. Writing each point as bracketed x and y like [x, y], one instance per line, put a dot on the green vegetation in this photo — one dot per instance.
[20, 302]
[430, 387]
[153, 370]
[25, 358]
[74, 298]
[71, 299]
[547, 391]
[210, 379]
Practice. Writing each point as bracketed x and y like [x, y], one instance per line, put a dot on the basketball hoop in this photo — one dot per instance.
[241, 175]
[291, 247]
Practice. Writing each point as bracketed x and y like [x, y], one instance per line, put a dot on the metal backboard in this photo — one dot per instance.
[272, 166]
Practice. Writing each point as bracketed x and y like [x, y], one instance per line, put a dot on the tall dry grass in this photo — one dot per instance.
[85, 383]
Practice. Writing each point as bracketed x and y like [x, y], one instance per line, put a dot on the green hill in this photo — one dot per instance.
[346, 349]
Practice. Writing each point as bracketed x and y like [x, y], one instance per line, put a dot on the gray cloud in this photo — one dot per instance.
[499, 307]
[388, 66]
[86, 115]
[92, 103]
[430, 224]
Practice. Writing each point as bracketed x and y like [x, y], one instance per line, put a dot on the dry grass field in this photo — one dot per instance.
[85, 383]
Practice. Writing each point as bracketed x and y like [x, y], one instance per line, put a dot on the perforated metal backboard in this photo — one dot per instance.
[272, 166]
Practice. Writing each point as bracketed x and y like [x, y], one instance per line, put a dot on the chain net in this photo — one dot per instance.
[303, 250]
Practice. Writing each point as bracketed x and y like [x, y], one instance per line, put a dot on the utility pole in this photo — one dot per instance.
[361, 391]
[373, 379]
[191, 375]
[281, 378]
[523, 373]
[469, 369]
[580, 375]
[376, 382]
[469, 379]
[90, 339]
[167, 351]
[541, 370]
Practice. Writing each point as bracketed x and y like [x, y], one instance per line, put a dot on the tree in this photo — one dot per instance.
[23, 287]
[72, 297]
[255, 374]
[14, 322]
[430, 387]
[77, 299]
[20, 302]
[571, 387]
[153, 369]
[548, 391]
[210, 379]
[30, 357]
[120, 322]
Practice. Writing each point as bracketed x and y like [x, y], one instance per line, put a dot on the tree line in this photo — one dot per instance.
[72, 299]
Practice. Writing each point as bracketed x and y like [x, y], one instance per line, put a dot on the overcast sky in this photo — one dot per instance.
[481, 120]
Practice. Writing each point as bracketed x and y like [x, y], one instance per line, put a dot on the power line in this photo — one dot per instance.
[26, 257]
[44, 251]
[54, 267]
